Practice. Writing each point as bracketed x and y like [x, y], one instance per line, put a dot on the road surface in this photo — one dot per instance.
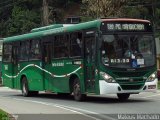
[52, 106]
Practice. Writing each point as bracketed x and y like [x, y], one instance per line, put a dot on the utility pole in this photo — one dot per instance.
[45, 16]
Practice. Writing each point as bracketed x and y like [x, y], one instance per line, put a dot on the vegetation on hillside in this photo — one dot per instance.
[20, 16]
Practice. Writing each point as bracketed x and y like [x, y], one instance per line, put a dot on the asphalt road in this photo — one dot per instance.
[55, 107]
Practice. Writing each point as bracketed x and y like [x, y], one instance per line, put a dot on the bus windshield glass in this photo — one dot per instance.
[128, 51]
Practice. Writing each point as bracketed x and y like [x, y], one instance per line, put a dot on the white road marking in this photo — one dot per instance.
[72, 109]
[90, 112]
[58, 106]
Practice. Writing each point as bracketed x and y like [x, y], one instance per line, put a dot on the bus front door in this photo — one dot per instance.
[90, 64]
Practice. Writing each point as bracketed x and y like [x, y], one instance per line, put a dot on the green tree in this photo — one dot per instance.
[22, 21]
[21, 17]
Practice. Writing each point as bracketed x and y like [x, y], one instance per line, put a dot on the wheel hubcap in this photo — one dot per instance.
[24, 88]
[77, 90]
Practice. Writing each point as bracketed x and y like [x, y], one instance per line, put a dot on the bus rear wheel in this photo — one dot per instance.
[25, 89]
[78, 96]
[123, 96]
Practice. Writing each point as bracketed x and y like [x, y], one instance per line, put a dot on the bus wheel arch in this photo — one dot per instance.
[71, 81]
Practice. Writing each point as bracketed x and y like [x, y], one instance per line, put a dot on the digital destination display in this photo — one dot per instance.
[127, 27]
[124, 26]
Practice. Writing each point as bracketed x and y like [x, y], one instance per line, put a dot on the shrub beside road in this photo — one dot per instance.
[4, 115]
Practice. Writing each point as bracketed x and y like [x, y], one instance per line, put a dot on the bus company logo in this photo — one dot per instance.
[57, 64]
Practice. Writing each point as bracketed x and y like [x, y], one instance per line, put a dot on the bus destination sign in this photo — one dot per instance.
[126, 27]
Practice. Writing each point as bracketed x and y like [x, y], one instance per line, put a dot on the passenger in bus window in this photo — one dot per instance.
[79, 42]
[76, 46]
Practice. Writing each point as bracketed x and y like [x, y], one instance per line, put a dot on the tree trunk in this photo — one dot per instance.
[45, 18]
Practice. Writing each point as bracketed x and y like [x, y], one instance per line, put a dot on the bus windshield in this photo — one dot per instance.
[128, 51]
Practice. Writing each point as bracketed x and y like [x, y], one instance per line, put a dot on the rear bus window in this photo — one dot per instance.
[7, 54]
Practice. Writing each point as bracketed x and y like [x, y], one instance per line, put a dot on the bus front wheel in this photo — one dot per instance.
[78, 96]
[123, 96]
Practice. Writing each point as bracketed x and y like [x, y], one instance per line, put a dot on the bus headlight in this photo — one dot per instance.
[107, 77]
[152, 77]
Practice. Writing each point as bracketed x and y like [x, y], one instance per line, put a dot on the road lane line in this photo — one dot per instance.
[77, 112]
[72, 109]
[58, 106]
[90, 112]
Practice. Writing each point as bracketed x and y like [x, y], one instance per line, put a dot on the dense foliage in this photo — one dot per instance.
[20, 16]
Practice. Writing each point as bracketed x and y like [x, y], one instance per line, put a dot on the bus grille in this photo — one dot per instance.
[131, 87]
[129, 74]
[131, 81]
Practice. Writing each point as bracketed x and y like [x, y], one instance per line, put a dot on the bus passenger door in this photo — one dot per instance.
[15, 64]
[47, 65]
[89, 57]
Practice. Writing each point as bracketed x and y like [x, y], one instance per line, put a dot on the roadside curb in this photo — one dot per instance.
[11, 117]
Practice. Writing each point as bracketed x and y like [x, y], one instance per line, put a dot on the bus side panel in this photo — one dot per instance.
[58, 81]
[7, 75]
[61, 71]
[34, 74]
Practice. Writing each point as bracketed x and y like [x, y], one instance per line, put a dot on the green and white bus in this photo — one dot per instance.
[104, 56]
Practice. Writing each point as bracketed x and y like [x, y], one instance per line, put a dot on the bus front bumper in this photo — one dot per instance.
[114, 88]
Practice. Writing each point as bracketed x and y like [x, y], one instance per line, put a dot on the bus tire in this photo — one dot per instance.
[123, 96]
[78, 96]
[25, 88]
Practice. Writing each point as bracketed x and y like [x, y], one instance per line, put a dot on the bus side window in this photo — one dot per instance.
[61, 44]
[7, 53]
[76, 44]
[24, 51]
[56, 47]
[35, 51]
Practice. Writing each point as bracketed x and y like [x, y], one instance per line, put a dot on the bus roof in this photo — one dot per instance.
[40, 33]
[47, 27]
[60, 28]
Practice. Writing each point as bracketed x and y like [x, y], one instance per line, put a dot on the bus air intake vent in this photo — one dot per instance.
[129, 74]
[131, 87]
